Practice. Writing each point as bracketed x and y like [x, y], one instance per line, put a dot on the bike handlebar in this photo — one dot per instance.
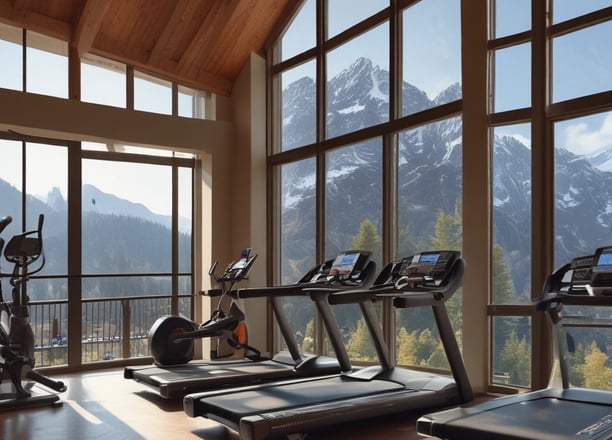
[5, 221]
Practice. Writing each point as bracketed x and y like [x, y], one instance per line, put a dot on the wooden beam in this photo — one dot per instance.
[88, 25]
[207, 37]
[176, 20]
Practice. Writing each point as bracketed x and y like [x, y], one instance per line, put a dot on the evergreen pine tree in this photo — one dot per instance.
[406, 347]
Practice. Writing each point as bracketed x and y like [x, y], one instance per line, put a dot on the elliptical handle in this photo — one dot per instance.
[5, 221]
[41, 220]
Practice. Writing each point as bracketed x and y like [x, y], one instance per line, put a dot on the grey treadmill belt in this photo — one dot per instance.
[176, 381]
[544, 415]
[235, 406]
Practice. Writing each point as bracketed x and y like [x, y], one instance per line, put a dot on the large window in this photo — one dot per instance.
[546, 119]
[364, 171]
[546, 88]
[102, 80]
[134, 264]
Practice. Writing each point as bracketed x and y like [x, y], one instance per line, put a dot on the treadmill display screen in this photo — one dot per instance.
[344, 265]
[428, 266]
[605, 259]
[429, 258]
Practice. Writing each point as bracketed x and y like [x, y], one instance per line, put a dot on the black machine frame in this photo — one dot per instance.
[288, 407]
[559, 412]
[175, 381]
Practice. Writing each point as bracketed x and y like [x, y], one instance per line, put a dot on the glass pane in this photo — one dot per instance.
[589, 49]
[11, 188]
[431, 27]
[589, 348]
[298, 111]
[103, 81]
[567, 9]
[301, 34]
[512, 86]
[120, 286]
[583, 178]
[358, 83]
[342, 14]
[127, 210]
[47, 66]
[511, 351]
[417, 341]
[297, 219]
[47, 191]
[152, 94]
[11, 74]
[512, 17]
[191, 103]
[429, 188]
[353, 220]
[353, 199]
[429, 196]
[297, 245]
[511, 280]
[185, 194]
[355, 334]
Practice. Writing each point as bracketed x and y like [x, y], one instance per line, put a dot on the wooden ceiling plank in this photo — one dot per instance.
[175, 21]
[208, 36]
[20, 7]
[88, 25]
[210, 83]
[46, 25]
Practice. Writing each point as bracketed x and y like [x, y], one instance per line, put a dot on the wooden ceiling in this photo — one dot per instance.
[200, 43]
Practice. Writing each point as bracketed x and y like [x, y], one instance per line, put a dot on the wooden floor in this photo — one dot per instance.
[103, 405]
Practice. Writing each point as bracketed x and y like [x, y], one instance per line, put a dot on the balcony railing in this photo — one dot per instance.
[112, 328]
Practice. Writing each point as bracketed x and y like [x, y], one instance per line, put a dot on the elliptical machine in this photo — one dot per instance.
[171, 338]
[16, 335]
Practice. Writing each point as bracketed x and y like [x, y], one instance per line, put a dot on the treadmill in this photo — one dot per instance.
[290, 407]
[573, 297]
[175, 381]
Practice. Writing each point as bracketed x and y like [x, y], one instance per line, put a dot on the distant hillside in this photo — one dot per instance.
[119, 237]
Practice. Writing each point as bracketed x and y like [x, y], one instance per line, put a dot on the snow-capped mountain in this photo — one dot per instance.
[429, 175]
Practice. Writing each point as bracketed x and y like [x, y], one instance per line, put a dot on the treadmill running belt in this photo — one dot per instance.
[297, 394]
[200, 371]
[544, 419]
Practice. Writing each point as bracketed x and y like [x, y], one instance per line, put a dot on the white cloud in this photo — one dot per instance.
[582, 139]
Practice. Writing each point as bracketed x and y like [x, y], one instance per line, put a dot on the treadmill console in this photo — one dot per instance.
[238, 269]
[428, 268]
[601, 276]
[348, 265]
[581, 269]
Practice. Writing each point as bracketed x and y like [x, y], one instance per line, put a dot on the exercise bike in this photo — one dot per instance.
[16, 336]
[171, 338]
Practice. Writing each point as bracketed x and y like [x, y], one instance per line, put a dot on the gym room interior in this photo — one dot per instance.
[505, 72]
